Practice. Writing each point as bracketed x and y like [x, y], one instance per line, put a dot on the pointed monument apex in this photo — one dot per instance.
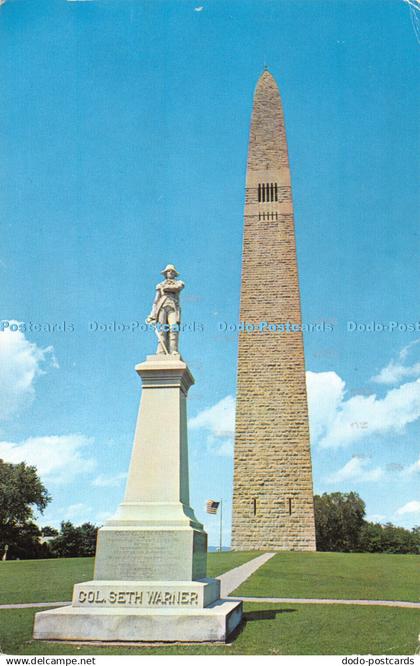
[267, 137]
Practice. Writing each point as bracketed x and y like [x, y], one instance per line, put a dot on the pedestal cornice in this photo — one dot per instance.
[165, 371]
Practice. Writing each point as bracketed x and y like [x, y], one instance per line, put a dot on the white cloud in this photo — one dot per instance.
[412, 469]
[220, 446]
[396, 370]
[78, 512]
[219, 419]
[58, 458]
[334, 421]
[356, 470]
[219, 422]
[103, 481]
[410, 507]
[103, 516]
[337, 422]
[405, 350]
[325, 395]
[21, 362]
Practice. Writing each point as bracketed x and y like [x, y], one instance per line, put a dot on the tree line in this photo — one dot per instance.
[21, 494]
[341, 526]
[339, 522]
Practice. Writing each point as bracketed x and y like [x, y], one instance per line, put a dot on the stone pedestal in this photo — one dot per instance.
[150, 568]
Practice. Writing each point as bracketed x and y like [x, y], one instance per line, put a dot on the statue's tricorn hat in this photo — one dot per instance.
[169, 267]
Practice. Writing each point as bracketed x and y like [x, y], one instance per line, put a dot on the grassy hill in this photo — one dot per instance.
[269, 629]
[337, 576]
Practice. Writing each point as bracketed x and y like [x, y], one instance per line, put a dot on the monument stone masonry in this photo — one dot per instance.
[150, 579]
[273, 497]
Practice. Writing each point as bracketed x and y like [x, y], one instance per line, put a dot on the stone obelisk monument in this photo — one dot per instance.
[273, 497]
[150, 568]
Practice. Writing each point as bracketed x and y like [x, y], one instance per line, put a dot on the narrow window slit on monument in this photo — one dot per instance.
[275, 192]
[259, 193]
[254, 506]
[272, 191]
[289, 501]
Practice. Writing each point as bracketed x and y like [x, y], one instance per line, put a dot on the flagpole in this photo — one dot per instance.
[221, 523]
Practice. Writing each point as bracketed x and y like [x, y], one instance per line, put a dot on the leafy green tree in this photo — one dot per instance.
[27, 544]
[338, 521]
[340, 526]
[416, 534]
[21, 492]
[416, 538]
[371, 538]
[75, 541]
[389, 538]
[48, 531]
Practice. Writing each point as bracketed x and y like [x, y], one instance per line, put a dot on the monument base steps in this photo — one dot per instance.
[214, 623]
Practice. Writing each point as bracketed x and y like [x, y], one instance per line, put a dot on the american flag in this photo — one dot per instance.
[212, 506]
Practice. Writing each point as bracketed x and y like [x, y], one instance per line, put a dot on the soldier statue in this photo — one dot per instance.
[166, 311]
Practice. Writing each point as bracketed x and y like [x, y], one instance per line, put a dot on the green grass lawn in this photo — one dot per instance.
[267, 628]
[324, 575]
[29, 581]
[337, 575]
[271, 629]
[218, 563]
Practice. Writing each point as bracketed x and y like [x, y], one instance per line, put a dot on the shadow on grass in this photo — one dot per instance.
[251, 616]
[255, 616]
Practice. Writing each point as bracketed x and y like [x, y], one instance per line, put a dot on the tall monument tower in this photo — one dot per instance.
[273, 497]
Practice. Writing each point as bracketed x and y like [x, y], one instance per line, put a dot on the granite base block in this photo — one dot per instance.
[214, 623]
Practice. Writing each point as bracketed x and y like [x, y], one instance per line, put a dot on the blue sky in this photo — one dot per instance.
[123, 147]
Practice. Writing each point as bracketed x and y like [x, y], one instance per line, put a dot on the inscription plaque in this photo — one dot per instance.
[144, 594]
[144, 599]
[150, 555]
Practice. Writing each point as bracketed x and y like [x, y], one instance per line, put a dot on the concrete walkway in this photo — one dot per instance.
[230, 580]
[259, 600]
[355, 602]
[43, 604]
